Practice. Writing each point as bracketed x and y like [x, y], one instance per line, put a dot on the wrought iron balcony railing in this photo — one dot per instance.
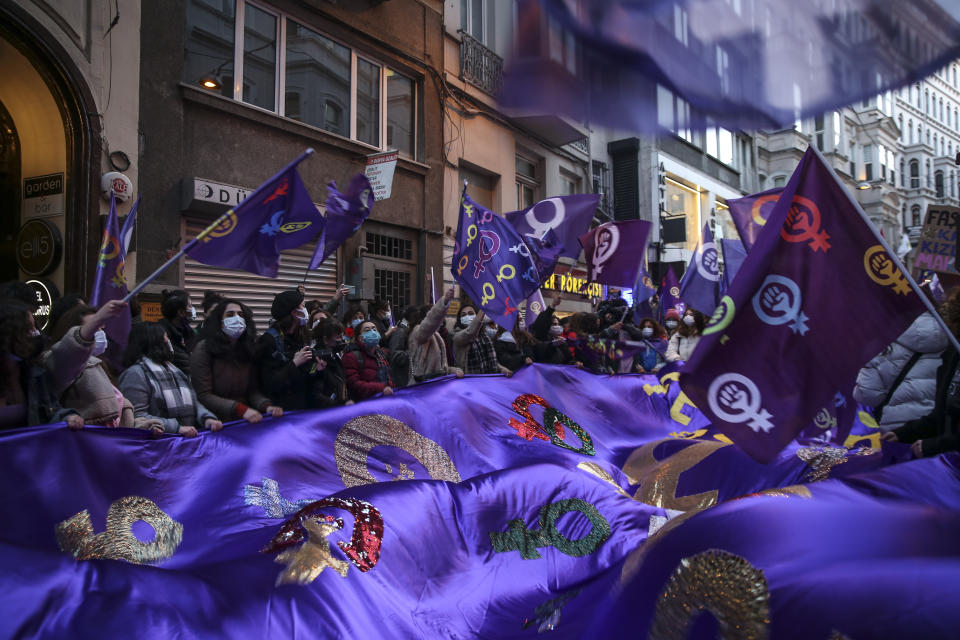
[480, 66]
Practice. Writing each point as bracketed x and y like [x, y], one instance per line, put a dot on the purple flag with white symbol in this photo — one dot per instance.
[750, 213]
[669, 293]
[278, 215]
[345, 213]
[535, 306]
[568, 216]
[771, 355]
[733, 256]
[614, 252]
[492, 263]
[110, 281]
[700, 285]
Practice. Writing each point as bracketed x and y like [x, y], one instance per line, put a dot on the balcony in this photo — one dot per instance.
[480, 66]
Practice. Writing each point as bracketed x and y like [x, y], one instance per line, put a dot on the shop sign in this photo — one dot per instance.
[39, 246]
[572, 284]
[379, 171]
[46, 292]
[43, 196]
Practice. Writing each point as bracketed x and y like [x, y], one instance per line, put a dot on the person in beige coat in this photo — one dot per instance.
[428, 356]
[80, 377]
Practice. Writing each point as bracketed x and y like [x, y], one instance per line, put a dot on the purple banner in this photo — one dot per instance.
[614, 252]
[568, 216]
[750, 213]
[700, 285]
[110, 281]
[345, 213]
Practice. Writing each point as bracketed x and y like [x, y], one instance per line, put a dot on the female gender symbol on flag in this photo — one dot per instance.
[735, 398]
[778, 302]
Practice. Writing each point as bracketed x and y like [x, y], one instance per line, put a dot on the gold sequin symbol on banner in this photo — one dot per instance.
[822, 460]
[659, 478]
[308, 561]
[75, 535]
[359, 436]
[727, 586]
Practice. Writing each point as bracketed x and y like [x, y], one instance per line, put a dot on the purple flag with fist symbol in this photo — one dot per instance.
[772, 356]
[700, 285]
[614, 252]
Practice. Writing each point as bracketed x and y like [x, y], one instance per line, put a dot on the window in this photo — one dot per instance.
[601, 185]
[926, 171]
[779, 181]
[903, 132]
[926, 101]
[938, 182]
[914, 174]
[954, 71]
[673, 113]
[569, 183]
[720, 144]
[910, 127]
[291, 69]
[818, 130]
[903, 173]
[915, 215]
[890, 164]
[836, 130]
[941, 109]
[380, 244]
[393, 286]
[680, 24]
[527, 184]
[723, 70]
[853, 159]
[868, 162]
[472, 19]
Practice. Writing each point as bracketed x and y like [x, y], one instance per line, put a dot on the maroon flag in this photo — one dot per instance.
[614, 252]
[773, 353]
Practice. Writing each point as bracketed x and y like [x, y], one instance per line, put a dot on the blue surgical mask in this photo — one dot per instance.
[371, 337]
[355, 322]
[466, 319]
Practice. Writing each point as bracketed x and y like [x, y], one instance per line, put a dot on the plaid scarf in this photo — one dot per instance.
[482, 357]
[171, 384]
[383, 366]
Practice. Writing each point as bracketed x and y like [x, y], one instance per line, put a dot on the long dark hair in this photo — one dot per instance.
[146, 340]
[699, 323]
[658, 331]
[69, 319]
[219, 344]
[14, 336]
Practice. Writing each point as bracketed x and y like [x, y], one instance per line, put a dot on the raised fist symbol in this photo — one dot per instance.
[710, 261]
[796, 218]
[882, 265]
[734, 397]
[776, 298]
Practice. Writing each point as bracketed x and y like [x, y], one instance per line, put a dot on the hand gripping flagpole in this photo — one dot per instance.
[892, 255]
[213, 225]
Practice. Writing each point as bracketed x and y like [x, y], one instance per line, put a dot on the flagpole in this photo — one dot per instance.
[892, 255]
[213, 225]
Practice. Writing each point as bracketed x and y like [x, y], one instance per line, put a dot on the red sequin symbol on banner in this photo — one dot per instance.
[282, 190]
[803, 224]
[311, 527]
[553, 428]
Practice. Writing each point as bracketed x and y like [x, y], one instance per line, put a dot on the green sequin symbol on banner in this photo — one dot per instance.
[518, 538]
[550, 419]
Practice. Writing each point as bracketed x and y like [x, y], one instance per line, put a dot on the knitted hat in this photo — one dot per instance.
[674, 314]
[284, 303]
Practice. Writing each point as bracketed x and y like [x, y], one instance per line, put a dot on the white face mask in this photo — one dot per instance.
[99, 342]
[556, 330]
[506, 336]
[234, 326]
[193, 313]
[302, 316]
[466, 319]
[647, 332]
[671, 324]
[688, 320]
[491, 331]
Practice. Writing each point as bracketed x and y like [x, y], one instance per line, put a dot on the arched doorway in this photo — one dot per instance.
[63, 137]
[9, 194]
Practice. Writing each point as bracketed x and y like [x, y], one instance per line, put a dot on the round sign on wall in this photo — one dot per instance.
[46, 292]
[39, 246]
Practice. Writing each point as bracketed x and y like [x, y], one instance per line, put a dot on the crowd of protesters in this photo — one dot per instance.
[179, 376]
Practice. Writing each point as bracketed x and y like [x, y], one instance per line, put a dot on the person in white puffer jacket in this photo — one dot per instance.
[914, 397]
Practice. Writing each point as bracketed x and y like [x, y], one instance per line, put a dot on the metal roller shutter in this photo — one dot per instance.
[255, 291]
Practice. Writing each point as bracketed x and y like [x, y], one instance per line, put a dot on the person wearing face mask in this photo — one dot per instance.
[163, 398]
[367, 364]
[685, 339]
[672, 321]
[352, 322]
[473, 347]
[28, 389]
[653, 356]
[285, 363]
[428, 355]
[92, 393]
[550, 346]
[222, 368]
[330, 383]
[381, 315]
[175, 308]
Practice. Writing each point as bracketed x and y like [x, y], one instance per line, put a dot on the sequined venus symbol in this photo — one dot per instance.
[552, 429]
[884, 271]
[75, 535]
[803, 225]
[518, 538]
[309, 560]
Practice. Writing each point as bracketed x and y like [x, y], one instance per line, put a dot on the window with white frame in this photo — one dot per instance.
[868, 162]
[528, 183]
[257, 55]
[680, 24]
[673, 114]
[818, 129]
[475, 20]
[837, 129]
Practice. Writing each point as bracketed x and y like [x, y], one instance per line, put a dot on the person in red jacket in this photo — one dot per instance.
[367, 365]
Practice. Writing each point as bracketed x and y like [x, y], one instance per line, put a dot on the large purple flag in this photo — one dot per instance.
[278, 215]
[750, 213]
[771, 356]
[735, 64]
[126, 232]
[733, 256]
[614, 251]
[110, 281]
[568, 216]
[345, 213]
[492, 263]
[700, 285]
